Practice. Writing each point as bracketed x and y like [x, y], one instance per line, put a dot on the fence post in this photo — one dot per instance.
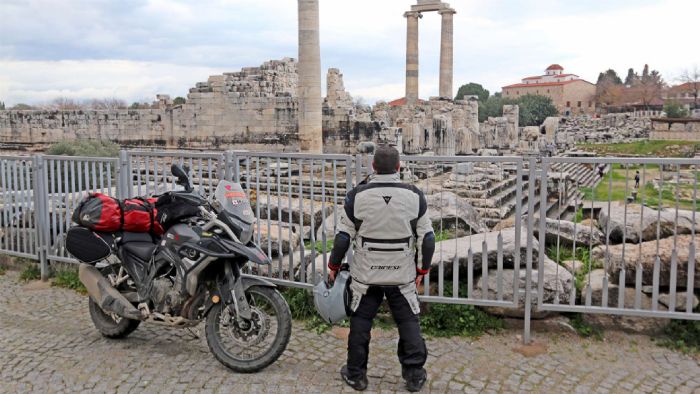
[123, 181]
[528, 268]
[41, 211]
[228, 162]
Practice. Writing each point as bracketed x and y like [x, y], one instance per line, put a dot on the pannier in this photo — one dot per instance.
[103, 213]
[88, 246]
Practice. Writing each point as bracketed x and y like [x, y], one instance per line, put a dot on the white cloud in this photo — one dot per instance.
[42, 81]
[137, 48]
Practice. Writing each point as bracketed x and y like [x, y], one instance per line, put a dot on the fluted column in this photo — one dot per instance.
[309, 84]
[446, 52]
[412, 56]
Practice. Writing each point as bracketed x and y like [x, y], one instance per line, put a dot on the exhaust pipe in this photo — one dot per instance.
[105, 295]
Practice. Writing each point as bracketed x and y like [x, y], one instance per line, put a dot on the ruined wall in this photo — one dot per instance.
[502, 132]
[256, 108]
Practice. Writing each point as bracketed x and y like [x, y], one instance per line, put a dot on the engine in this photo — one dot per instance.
[165, 297]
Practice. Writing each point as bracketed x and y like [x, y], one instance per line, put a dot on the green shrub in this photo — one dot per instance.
[446, 320]
[683, 335]
[2, 270]
[92, 148]
[69, 279]
[30, 272]
[301, 304]
[583, 328]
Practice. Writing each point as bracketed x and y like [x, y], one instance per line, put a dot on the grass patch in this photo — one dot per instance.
[619, 180]
[2, 270]
[30, 272]
[69, 279]
[683, 336]
[447, 320]
[584, 329]
[301, 304]
[665, 148]
[582, 254]
[319, 246]
[578, 217]
[438, 320]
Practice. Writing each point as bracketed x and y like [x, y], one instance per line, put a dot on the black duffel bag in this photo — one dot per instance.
[174, 208]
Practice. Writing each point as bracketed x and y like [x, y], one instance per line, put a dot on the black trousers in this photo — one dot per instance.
[411, 350]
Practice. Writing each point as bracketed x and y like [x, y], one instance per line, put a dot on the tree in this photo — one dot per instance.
[22, 107]
[493, 106]
[2, 105]
[648, 87]
[631, 77]
[609, 75]
[692, 77]
[179, 100]
[64, 103]
[534, 109]
[674, 109]
[472, 89]
[608, 88]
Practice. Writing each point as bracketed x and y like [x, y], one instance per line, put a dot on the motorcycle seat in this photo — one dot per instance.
[142, 250]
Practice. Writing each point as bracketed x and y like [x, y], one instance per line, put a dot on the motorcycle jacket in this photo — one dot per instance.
[392, 236]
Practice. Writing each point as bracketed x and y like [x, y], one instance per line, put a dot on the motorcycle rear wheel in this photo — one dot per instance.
[225, 336]
[109, 324]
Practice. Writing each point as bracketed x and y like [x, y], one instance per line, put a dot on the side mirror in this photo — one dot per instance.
[182, 177]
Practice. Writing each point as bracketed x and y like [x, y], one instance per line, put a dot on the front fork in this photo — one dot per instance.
[233, 288]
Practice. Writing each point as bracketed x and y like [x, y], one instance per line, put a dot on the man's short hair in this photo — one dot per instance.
[386, 159]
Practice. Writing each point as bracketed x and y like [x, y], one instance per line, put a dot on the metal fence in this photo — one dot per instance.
[528, 235]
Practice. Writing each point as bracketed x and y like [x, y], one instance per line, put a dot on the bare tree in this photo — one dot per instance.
[649, 86]
[63, 103]
[107, 103]
[692, 77]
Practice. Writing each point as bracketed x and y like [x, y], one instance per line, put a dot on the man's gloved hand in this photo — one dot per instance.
[331, 276]
[419, 275]
[419, 280]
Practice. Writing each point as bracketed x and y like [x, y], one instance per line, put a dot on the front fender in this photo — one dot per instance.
[249, 280]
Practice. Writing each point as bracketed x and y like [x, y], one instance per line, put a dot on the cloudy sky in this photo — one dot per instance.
[133, 49]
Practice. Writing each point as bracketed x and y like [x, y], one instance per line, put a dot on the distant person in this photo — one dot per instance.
[601, 170]
[636, 180]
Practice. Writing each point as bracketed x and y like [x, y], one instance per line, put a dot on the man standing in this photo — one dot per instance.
[636, 180]
[393, 243]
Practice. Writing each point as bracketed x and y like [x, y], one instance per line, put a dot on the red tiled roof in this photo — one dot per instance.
[555, 67]
[557, 76]
[400, 102]
[527, 85]
[688, 86]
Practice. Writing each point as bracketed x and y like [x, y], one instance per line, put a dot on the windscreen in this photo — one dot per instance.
[235, 204]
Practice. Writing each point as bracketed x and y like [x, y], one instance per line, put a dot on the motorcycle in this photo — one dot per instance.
[193, 273]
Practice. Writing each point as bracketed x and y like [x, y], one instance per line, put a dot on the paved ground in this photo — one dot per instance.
[48, 343]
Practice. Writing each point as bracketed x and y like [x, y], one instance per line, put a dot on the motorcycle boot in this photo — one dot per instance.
[359, 384]
[415, 378]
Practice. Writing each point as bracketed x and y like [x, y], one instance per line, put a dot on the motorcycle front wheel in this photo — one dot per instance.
[250, 346]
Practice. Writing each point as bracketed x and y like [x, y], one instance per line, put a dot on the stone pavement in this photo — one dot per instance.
[48, 344]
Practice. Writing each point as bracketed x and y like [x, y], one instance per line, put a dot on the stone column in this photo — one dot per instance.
[412, 56]
[309, 85]
[446, 52]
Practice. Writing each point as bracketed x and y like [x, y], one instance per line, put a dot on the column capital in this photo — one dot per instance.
[412, 14]
[447, 11]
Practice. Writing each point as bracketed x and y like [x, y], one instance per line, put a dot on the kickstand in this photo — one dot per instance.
[194, 334]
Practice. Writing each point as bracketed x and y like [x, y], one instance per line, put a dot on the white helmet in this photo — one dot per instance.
[332, 303]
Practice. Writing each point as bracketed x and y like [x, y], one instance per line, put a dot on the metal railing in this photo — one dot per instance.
[529, 235]
[645, 242]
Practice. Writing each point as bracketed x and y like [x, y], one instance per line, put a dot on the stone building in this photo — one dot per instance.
[570, 94]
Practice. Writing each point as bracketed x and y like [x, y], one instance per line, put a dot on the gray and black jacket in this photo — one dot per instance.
[392, 236]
